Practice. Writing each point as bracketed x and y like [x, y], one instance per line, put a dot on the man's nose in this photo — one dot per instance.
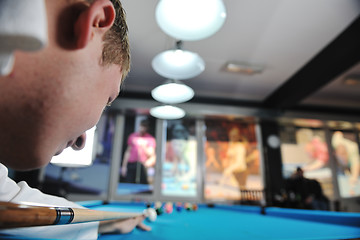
[80, 142]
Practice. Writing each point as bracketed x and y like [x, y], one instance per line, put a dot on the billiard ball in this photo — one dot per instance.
[168, 207]
[159, 211]
[150, 214]
[158, 208]
[188, 206]
[179, 207]
[157, 204]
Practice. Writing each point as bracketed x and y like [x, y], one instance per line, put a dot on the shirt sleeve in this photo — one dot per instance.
[22, 193]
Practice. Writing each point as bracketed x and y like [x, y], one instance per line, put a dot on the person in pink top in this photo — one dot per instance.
[139, 155]
[318, 152]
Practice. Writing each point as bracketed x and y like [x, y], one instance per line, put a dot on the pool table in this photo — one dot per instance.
[239, 222]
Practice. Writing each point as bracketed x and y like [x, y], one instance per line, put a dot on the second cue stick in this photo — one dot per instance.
[20, 215]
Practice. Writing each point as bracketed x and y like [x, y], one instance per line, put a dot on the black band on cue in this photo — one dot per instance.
[63, 216]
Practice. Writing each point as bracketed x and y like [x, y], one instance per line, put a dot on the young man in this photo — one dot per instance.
[52, 96]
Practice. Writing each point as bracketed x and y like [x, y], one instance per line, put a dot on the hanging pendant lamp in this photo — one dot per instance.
[190, 20]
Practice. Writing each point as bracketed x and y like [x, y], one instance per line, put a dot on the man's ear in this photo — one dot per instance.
[97, 18]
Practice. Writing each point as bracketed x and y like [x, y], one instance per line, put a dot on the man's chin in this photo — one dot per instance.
[25, 159]
[24, 166]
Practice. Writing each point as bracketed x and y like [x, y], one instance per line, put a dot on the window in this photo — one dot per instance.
[137, 168]
[232, 160]
[306, 148]
[179, 166]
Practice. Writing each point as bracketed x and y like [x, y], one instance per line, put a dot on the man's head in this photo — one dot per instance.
[299, 172]
[234, 134]
[54, 95]
[179, 131]
[144, 126]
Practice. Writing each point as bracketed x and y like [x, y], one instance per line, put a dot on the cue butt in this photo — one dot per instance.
[19, 215]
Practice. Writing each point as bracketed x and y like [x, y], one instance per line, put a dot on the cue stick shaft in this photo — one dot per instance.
[19, 215]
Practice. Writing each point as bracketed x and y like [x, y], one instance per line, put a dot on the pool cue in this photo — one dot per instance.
[20, 215]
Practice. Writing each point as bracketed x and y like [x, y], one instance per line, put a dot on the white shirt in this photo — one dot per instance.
[21, 193]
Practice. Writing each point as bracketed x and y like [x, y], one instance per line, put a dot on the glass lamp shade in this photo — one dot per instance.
[172, 93]
[167, 112]
[190, 20]
[82, 158]
[178, 64]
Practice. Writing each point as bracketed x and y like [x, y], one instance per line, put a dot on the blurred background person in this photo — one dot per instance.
[347, 155]
[315, 147]
[236, 158]
[181, 152]
[305, 193]
[317, 150]
[139, 155]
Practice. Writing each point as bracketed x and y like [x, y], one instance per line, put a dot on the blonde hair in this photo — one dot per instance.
[116, 48]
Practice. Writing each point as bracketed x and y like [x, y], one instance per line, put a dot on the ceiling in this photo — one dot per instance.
[306, 47]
